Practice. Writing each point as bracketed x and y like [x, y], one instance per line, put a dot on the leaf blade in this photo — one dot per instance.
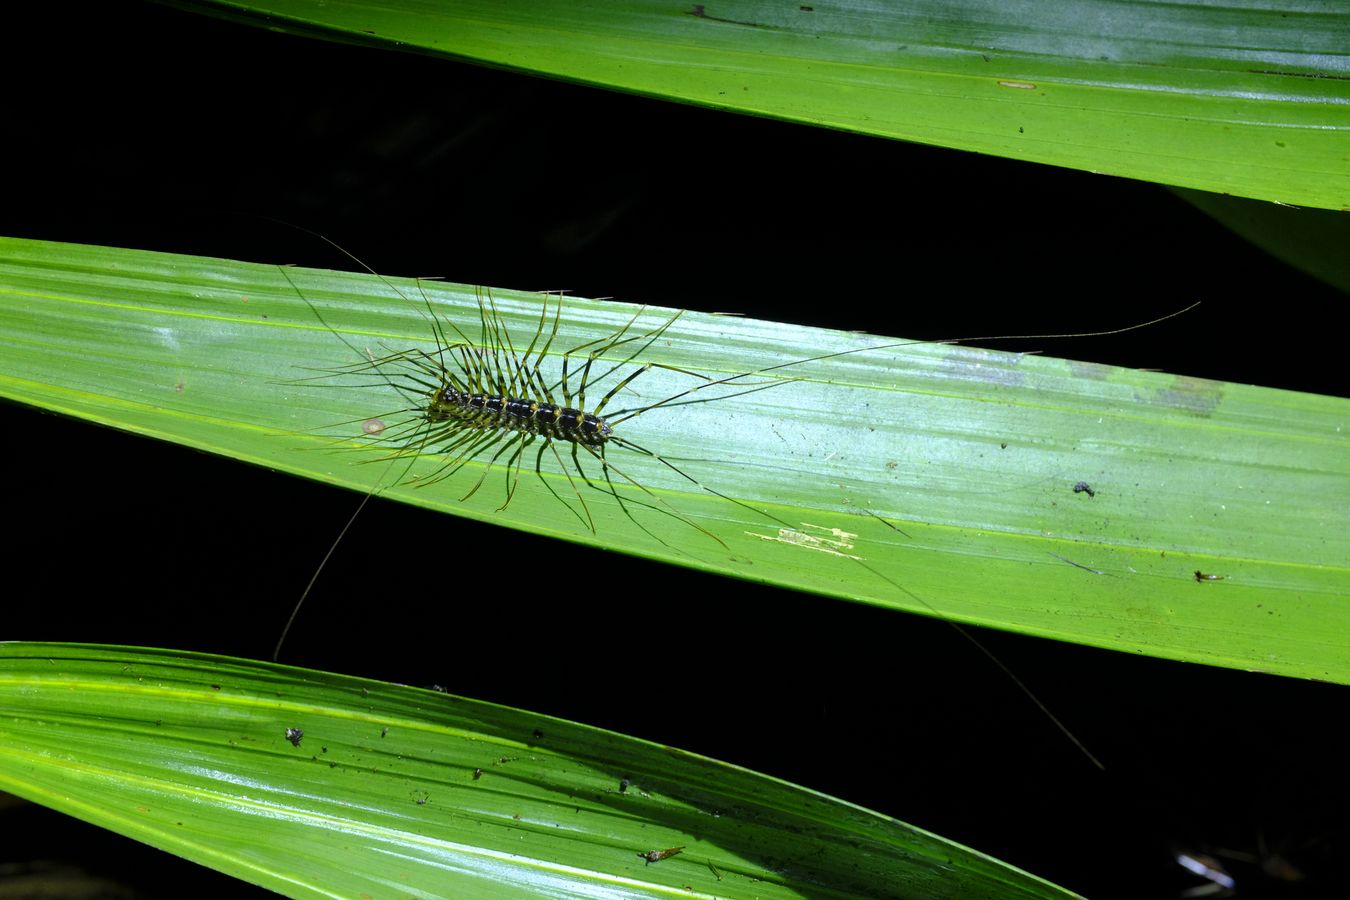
[1230, 99]
[973, 454]
[434, 795]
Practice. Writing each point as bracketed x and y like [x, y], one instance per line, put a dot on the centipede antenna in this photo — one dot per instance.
[295, 611]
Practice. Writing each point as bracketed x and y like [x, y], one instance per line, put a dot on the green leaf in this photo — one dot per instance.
[922, 477]
[1231, 98]
[1308, 239]
[320, 785]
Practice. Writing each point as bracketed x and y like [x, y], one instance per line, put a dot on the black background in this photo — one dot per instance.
[145, 127]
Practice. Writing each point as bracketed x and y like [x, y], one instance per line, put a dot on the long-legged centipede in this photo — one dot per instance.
[488, 401]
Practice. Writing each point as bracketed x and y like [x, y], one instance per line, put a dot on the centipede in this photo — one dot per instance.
[487, 401]
[528, 407]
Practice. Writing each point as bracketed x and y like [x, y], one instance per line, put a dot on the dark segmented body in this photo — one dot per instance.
[490, 412]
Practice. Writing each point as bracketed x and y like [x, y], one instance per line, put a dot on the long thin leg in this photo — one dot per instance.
[629, 445]
[513, 469]
[488, 468]
[576, 461]
[609, 488]
[539, 472]
[476, 442]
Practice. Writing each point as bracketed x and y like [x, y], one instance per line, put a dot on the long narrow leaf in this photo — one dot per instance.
[1233, 98]
[320, 785]
[1138, 511]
